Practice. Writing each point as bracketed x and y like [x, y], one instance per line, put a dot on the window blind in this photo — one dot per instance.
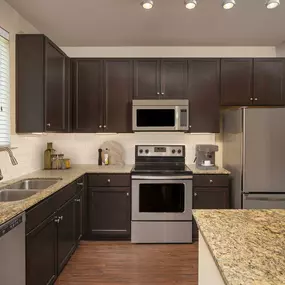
[4, 89]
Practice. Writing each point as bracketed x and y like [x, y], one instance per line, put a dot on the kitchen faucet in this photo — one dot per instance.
[12, 158]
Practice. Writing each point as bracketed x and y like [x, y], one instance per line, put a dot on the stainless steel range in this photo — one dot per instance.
[161, 195]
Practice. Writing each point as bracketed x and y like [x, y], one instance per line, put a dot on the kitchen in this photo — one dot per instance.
[65, 68]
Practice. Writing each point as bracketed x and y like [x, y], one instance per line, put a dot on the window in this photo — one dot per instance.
[4, 89]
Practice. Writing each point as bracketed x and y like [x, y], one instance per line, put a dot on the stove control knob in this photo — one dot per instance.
[146, 151]
[173, 151]
[141, 151]
[179, 151]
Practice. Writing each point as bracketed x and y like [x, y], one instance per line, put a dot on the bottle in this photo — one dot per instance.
[100, 162]
[106, 157]
[61, 164]
[47, 156]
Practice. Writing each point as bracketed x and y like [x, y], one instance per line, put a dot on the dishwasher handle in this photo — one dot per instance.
[11, 224]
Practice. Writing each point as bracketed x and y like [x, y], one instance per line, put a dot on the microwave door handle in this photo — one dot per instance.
[177, 118]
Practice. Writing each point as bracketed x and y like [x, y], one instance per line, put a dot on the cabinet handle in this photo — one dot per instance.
[104, 126]
[162, 93]
[211, 181]
[158, 93]
[251, 99]
[109, 180]
[56, 220]
[48, 124]
[77, 200]
[100, 127]
[61, 218]
[255, 99]
[195, 194]
[128, 194]
[80, 184]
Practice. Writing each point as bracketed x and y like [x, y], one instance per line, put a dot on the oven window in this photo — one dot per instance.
[161, 198]
[156, 118]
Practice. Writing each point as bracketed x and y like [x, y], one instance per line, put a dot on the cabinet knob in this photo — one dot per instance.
[128, 194]
[157, 93]
[195, 194]
[77, 200]
[211, 181]
[190, 127]
[48, 124]
[162, 93]
[109, 180]
[255, 99]
[104, 126]
[61, 218]
[100, 127]
[80, 184]
[251, 99]
[56, 220]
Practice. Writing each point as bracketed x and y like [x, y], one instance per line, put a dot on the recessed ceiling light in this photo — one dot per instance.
[147, 4]
[228, 4]
[271, 4]
[190, 4]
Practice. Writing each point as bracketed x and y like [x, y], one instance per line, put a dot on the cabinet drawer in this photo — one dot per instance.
[112, 180]
[211, 180]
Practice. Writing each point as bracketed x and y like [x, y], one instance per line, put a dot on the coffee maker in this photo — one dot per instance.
[205, 156]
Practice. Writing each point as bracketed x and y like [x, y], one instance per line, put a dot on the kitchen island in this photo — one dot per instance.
[241, 247]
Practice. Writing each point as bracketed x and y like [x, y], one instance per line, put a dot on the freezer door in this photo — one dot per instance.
[264, 201]
[263, 150]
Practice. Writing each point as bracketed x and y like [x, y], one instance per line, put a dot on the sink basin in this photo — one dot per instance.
[16, 195]
[34, 184]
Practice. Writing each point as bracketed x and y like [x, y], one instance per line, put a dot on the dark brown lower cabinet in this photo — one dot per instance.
[65, 233]
[215, 196]
[79, 214]
[109, 213]
[41, 253]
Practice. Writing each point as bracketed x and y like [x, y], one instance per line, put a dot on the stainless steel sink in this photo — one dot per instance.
[34, 184]
[16, 195]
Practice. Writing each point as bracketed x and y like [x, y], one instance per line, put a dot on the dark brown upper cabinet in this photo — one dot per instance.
[236, 81]
[118, 90]
[204, 95]
[102, 92]
[160, 79]
[87, 91]
[42, 91]
[268, 81]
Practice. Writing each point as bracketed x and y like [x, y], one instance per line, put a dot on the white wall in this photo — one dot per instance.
[280, 50]
[170, 51]
[28, 147]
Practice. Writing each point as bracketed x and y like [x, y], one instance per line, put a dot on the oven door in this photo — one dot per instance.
[161, 199]
[160, 118]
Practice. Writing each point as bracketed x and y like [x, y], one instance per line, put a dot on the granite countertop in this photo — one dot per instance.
[8, 210]
[220, 170]
[248, 246]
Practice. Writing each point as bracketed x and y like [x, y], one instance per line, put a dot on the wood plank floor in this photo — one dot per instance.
[125, 263]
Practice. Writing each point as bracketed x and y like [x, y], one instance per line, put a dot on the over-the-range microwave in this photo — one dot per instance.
[161, 115]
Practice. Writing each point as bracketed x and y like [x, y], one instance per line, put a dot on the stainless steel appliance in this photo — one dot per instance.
[12, 252]
[161, 115]
[161, 196]
[253, 151]
[205, 156]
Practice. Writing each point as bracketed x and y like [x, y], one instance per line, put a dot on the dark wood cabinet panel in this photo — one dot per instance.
[236, 81]
[41, 254]
[41, 95]
[110, 212]
[204, 95]
[66, 233]
[109, 180]
[118, 84]
[211, 180]
[147, 79]
[173, 79]
[269, 82]
[55, 89]
[87, 95]
[79, 215]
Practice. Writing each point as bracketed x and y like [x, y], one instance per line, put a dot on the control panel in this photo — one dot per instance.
[157, 150]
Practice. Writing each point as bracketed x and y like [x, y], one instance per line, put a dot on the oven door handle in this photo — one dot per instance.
[162, 177]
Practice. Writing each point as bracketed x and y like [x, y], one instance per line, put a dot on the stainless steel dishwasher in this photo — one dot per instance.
[12, 251]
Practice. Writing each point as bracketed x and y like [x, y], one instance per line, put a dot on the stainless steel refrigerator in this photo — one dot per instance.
[254, 152]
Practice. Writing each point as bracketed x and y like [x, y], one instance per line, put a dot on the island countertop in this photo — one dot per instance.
[248, 246]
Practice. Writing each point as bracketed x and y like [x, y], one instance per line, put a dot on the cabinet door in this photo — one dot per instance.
[173, 79]
[118, 79]
[66, 233]
[109, 215]
[236, 81]
[87, 95]
[147, 79]
[55, 89]
[41, 254]
[204, 95]
[79, 213]
[268, 82]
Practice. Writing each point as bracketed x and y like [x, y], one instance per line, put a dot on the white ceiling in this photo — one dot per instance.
[126, 23]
